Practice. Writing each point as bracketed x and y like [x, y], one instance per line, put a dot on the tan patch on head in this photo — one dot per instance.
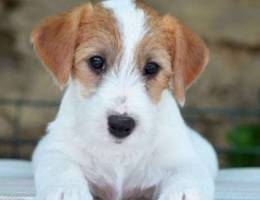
[98, 35]
[152, 49]
[155, 48]
[181, 54]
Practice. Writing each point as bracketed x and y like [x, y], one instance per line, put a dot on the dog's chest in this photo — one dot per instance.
[110, 192]
[122, 180]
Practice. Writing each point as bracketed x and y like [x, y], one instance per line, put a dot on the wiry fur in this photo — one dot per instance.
[162, 159]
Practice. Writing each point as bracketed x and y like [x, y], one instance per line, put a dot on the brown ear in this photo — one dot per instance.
[55, 40]
[190, 57]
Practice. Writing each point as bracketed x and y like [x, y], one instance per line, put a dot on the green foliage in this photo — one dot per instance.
[245, 142]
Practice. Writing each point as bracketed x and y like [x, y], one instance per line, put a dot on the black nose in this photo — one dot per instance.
[121, 126]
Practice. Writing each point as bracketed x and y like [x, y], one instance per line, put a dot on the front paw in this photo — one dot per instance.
[65, 193]
[184, 194]
[187, 188]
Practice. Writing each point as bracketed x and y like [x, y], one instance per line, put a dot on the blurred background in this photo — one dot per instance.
[224, 104]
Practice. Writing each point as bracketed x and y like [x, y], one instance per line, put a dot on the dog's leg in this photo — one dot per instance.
[205, 152]
[57, 177]
[189, 181]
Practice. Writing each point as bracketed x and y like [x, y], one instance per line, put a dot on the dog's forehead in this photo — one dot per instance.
[131, 22]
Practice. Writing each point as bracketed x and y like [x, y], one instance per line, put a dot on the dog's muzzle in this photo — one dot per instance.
[121, 126]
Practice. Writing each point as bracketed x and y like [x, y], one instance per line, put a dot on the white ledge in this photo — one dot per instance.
[16, 182]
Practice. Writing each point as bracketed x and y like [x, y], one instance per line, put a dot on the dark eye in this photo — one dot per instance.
[97, 63]
[151, 69]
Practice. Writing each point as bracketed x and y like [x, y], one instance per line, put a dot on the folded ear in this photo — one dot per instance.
[190, 57]
[55, 41]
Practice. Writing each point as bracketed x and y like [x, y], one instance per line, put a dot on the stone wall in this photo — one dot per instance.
[230, 28]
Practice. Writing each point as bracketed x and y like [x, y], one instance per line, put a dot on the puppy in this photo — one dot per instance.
[119, 134]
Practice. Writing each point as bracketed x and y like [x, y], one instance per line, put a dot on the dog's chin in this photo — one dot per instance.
[136, 141]
[118, 141]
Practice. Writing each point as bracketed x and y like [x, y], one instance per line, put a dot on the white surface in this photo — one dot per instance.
[16, 182]
[12, 168]
[238, 184]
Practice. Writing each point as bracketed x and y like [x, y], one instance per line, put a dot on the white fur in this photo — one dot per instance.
[78, 155]
[132, 26]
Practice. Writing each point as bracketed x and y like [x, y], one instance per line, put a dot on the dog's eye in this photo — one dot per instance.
[97, 63]
[151, 69]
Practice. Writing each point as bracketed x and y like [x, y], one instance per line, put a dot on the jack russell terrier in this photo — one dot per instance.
[119, 134]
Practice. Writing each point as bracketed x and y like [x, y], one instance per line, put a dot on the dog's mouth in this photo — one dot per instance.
[118, 141]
